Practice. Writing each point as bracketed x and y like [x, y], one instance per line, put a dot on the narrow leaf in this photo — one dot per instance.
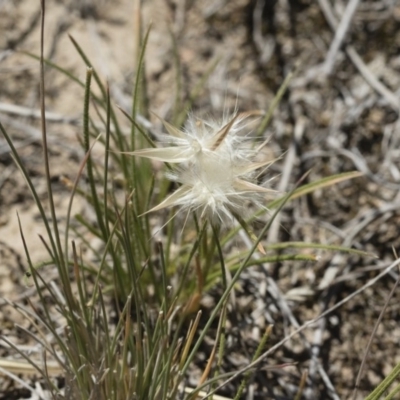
[165, 154]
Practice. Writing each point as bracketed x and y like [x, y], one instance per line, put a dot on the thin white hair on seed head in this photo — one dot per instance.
[215, 165]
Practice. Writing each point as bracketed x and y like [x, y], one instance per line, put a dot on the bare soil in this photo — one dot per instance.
[340, 113]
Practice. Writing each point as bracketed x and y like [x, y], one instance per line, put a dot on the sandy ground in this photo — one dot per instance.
[340, 113]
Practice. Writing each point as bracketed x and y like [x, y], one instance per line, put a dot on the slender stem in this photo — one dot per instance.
[57, 254]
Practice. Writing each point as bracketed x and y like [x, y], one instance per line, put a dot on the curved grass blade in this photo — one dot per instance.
[329, 247]
[276, 100]
[216, 274]
[301, 191]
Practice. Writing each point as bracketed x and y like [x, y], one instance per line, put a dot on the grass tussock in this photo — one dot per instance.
[125, 320]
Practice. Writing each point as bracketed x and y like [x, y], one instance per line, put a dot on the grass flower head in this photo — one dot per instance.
[215, 165]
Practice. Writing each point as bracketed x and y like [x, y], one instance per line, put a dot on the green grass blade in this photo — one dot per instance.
[319, 184]
[120, 140]
[212, 277]
[275, 102]
[301, 191]
[385, 384]
[31, 186]
[328, 247]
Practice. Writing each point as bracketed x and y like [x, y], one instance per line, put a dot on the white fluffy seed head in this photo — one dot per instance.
[215, 167]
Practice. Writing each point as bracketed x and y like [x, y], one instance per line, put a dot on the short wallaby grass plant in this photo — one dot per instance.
[166, 239]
